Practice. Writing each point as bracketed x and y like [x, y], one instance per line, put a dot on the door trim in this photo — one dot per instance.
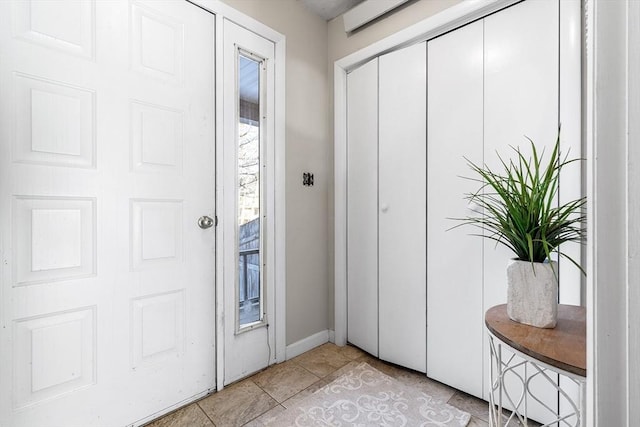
[612, 113]
[223, 11]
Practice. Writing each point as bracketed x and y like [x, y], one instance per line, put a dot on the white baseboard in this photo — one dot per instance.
[332, 336]
[306, 344]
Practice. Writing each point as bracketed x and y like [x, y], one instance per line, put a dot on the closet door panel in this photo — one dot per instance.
[521, 98]
[362, 207]
[454, 259]
[402, 207]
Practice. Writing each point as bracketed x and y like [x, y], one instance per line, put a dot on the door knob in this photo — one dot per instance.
[205, 222]
[384, 208]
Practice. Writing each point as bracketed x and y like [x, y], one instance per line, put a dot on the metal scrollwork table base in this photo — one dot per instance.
[522, 355]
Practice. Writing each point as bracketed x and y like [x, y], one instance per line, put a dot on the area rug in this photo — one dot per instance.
[367, 397]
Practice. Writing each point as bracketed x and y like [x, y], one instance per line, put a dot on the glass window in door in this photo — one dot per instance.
[249, 186]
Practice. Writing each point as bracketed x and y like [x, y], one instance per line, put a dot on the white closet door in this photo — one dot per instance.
[402, 204]
[521, 98]
[362, 207]
[454, 266]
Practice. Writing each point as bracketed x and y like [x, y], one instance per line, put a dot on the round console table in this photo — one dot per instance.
[534, 353]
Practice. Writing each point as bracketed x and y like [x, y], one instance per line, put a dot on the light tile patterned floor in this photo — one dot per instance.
[281, 386]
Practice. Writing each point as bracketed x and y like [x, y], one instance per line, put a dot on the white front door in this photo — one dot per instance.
[106, 164]
[248, 207]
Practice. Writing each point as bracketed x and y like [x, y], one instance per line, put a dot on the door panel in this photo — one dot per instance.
[402, 206]
[362, 207]
[248, 337]
[107, 281]
[454, 263]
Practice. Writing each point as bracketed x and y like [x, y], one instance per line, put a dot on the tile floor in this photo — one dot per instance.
[265, 394]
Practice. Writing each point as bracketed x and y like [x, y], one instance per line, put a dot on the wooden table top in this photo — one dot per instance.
[563, 347]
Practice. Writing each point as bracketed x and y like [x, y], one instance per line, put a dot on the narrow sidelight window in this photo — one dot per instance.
[249, 186]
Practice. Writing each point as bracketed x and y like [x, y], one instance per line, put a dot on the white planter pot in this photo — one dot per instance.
[532, 293]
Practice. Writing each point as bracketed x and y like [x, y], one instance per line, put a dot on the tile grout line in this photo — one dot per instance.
[281, 404]
[319, 378]
[204, 412]
[259, 415]
[274, 398]
[262, 389]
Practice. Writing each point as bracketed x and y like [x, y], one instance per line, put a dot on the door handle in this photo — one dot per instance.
[205, 222]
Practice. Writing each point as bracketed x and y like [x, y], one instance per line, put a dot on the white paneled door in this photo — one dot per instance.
[106, 164]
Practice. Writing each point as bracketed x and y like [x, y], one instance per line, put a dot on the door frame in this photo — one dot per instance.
[277, 261]
[612, 125]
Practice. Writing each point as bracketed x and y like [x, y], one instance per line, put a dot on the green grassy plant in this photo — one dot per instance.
[520, 208]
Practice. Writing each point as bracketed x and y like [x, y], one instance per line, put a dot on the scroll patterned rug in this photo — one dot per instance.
[367, 397]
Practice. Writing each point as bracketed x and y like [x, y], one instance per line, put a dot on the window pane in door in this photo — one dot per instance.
[249, 194]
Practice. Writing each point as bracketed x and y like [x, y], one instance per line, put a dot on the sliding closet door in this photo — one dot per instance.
[454, 266]
[362, 207]
[402, 207]
[521, 98]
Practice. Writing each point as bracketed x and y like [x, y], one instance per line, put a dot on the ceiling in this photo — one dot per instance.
[329, 9]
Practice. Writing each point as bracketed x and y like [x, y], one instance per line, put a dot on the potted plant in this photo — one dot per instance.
[519, 209]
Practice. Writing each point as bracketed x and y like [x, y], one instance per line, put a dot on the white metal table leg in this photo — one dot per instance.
[502, 365]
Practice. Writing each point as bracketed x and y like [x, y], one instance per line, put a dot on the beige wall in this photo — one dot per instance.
[307, 145]
[342, 44]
